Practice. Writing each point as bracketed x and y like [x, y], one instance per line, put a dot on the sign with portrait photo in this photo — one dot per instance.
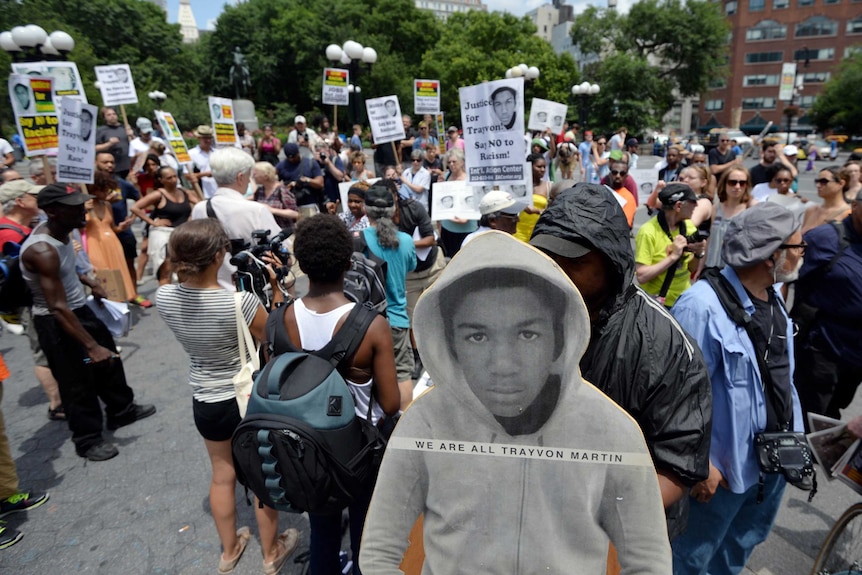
[173, 135]
[67, 79]
[35, 113]
[223, 122]
[384, 115]
[77, 142]
[426, 96]
[646, 179]
[455, 200]
[116, 85]
[492, 115]
[546, 114]
[335, 83]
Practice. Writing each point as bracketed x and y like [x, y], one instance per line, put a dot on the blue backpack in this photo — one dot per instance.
[301, 447]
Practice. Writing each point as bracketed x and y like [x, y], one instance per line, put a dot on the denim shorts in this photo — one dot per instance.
[216, 421]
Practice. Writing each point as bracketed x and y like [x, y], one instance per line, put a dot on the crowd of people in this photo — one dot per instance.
[549, 285]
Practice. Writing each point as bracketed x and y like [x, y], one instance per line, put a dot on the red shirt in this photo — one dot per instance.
[12, 235]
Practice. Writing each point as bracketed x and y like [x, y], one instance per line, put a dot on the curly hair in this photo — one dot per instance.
[193, 246]
[387, 231]
[322, 246]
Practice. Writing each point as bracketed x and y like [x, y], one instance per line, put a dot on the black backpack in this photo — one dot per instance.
[301, 447]
[365, 281]
[14, 292]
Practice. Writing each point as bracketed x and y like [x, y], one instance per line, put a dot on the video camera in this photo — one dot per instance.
[251, 273]
[697, 237]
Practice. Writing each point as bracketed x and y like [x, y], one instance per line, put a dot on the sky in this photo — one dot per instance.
[207, 11]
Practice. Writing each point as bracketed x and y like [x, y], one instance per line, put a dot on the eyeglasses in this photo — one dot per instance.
[724, 140]
[619, 172]
[824, 181]
[782, 180]
[415, 160]
[801, 246]
[600, 143]
[737, 182]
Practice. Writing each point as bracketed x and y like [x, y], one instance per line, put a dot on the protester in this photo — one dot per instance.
[541, 188]
[852, 174]
[734, 509]
[416, 180]
[504, 332]
[722, 157]
[453, 139]
[200, 155]
[246, 140]
[332, 169]
[616, 180]
[586, 233]
[268, 146]
[80, 350]
[304, 178]
[359, 172]
[323, 249]
[499, 211]
[113, 137]
[734, 197]
[664, 256]
[354, 217]
[202, 316]
[828, 303]
[304, 137]
[830, 188]
[453, 232]
[275, 195]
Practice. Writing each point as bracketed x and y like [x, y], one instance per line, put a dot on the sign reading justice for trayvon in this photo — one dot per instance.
[492, 114]
[384, 115]
[35, 113]
[77, 149]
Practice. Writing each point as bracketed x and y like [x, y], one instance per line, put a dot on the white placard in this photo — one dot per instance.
[426, 96]
[172, 134]
[116, 84]
[788, 76]
[646, 179]
[384, 115]
[455, 200]
[335, 83]
[35, 113]
[223, 122]
[344, 187]
[492, 114]
[546, 114]
[76, 155]
[67, 79]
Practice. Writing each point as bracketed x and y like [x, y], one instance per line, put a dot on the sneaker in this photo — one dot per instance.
[287, 541]
[138, 412]
[8, 536]
[345, 563]
[226, 566]
[141, 301]
[57, 414]
[21, 501]
[13, 328]
[101, 452]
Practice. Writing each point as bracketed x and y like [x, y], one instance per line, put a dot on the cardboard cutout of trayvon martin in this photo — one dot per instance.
[519, 465]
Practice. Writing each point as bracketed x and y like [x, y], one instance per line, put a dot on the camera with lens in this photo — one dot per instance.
[698, 236]
[251, 272]
[322, 157]
[787, 453]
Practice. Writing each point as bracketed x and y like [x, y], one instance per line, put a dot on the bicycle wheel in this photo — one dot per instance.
[841, 553]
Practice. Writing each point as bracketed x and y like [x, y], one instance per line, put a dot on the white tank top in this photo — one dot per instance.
[315, 331]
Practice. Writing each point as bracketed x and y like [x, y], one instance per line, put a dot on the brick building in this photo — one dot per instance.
[815, 34]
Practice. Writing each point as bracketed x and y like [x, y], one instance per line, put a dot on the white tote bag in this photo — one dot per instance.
[248, 354]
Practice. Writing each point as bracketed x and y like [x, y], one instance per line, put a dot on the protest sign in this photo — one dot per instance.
[116, 84]
[35, 113]
[384, 115]
[441, 131]
[426, 96]
[67, 80]
[335, 82]
[455, 200]
[173, 136]
[492, 114]
[77, 150]
[646, 179]
[546, 114]
[223, 121]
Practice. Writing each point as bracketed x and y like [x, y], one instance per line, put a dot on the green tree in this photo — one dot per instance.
[660, 50]
[480, 46]
[838, 107]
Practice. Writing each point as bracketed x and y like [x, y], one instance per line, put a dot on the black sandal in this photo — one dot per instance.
[58, 414]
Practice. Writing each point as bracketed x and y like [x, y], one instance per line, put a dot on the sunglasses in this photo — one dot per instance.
[801, 246]
[619, 172]
[824, 181]
[737, 182]
[724, 140]
[415, 160]
[600, 143]
[782, 180]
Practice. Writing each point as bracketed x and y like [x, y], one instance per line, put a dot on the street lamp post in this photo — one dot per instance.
[31, 43]
[351, 54]
[584, 90]
[529, 73]
[158, 97]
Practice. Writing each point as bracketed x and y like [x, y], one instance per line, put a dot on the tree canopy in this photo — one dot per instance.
[661, 50]
[838, 107]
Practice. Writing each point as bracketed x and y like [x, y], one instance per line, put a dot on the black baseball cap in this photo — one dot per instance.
[379, 196]
[676, 192]
[61, 194]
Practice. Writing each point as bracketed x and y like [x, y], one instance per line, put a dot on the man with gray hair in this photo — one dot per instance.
[751, 372]
[37, 172]
[231, 168]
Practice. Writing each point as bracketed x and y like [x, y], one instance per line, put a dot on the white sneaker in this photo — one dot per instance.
[13, 328]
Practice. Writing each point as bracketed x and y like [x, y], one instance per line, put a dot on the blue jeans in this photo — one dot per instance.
[326, 538]
[722, 534]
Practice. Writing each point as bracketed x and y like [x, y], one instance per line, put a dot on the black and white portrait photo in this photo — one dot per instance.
[504, 101]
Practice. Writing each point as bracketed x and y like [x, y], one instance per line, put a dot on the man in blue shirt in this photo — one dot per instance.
[304, 178]
[763, 246]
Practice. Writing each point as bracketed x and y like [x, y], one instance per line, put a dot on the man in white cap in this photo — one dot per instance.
[751, 371]
[303, 136]
[499, 212]
[141, 144]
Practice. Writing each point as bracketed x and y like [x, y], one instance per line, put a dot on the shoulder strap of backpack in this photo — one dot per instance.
[276, 333]
[347, 339]
[843, 244]
[210, 211]
[15, 228]
[727, 296]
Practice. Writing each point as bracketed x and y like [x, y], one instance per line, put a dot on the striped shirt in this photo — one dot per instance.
[204, 322]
